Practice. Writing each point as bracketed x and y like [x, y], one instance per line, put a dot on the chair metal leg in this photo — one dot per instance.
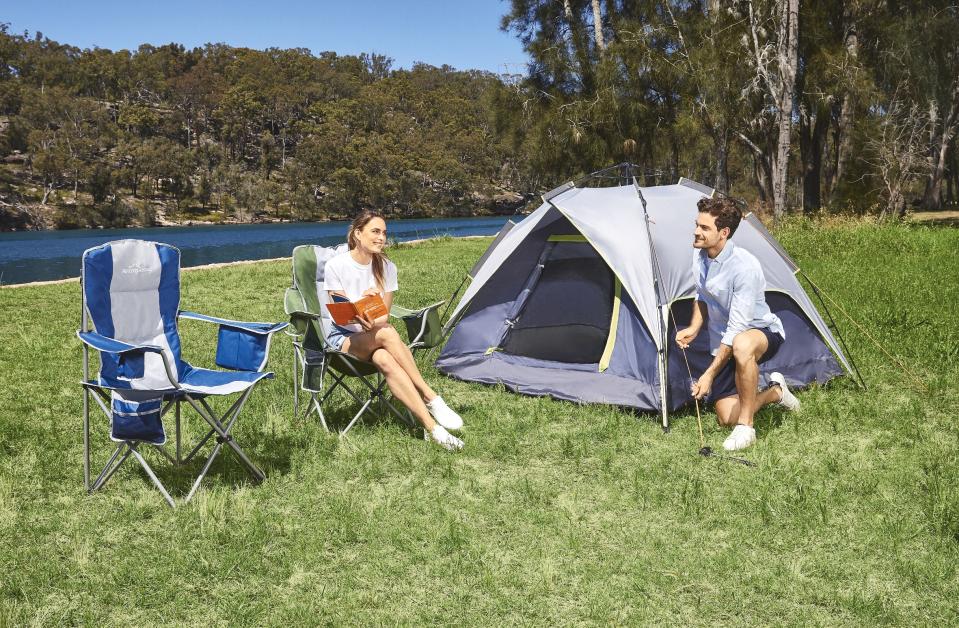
[206, 468]
[211, 432]
[110, 468]
[296, 386]
[223, 436]
[164, 453]
[179, 451]
[149, 470]
[357, 417]
[86, 439]
[319, 412]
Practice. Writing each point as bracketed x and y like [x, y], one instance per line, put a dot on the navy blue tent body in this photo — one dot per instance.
[581, 300]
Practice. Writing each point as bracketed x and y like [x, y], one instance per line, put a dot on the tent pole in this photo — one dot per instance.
[835, 327]
[657, 286]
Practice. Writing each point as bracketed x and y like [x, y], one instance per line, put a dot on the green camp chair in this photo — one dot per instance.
[313, 360]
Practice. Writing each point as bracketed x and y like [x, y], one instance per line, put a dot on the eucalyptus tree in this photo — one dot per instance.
[914, 61]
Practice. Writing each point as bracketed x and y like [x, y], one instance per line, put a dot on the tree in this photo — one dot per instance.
[898, 151]
[773, 42]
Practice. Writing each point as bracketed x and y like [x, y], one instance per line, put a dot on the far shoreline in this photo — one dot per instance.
[53, 282]
[164, 223]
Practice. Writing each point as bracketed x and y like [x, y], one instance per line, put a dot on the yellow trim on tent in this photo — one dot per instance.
[613, 324]
[566, 238]
[491, 350]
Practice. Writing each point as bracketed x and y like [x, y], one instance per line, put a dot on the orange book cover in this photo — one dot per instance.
[371, 307]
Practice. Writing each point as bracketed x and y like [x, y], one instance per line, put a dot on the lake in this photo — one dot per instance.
[44, 255]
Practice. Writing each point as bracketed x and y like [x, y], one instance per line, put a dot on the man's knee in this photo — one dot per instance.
[726, 419]
[725, 411]
[745, 348]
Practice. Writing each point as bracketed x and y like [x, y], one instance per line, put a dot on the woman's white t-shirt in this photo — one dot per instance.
[346, 275]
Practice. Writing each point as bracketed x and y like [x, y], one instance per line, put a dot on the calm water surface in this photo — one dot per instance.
[44, 255]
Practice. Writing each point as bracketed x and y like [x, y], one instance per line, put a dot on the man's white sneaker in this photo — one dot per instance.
[444, 439]
[788, 399]
[742, 437]
[443, 414]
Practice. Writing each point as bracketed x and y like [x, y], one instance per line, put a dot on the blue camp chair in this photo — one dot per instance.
[131, 294]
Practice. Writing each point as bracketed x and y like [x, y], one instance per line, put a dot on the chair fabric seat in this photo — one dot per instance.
[202, 382]
[210, 382]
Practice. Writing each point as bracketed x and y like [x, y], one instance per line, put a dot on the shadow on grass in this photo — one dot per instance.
[338, 415]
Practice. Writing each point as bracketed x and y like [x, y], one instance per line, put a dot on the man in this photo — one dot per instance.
[743, 332]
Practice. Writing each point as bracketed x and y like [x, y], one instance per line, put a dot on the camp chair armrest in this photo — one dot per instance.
[109, 345]
[301, 314]
[422, 325]
[397, 311]
[251, 327]
[116, 347]
[240, 346]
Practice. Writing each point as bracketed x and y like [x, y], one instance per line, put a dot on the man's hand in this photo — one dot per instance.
[703, 385]
[685, 337]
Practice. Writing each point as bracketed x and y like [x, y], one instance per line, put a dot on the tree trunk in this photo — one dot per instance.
[847, 109]
[788, 53]
[952, 174]
[762, 174]
[598, 27]
[721, 174]
[812, 135]
[762, 168]
[939, 149]
[580, 48]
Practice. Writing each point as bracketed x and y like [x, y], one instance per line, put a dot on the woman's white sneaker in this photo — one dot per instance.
[444, 439]
[443, 414]
[788, 400]
[742, 437]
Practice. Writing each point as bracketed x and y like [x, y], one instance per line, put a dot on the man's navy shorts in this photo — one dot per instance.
[725, 383]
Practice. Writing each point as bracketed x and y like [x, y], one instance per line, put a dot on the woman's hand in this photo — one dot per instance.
[369, 292]
[369, 325]
[364, 322]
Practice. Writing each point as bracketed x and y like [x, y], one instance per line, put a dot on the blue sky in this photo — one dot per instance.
[462, 33]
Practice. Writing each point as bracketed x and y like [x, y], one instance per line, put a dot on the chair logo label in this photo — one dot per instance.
[136, 268]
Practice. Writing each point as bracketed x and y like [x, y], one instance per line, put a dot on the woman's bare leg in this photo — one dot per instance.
[364, 344]
[401, 387]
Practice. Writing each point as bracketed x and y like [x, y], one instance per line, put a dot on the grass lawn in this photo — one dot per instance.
[554, 514]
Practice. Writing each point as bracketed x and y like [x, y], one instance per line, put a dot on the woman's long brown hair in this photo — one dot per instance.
[379, 259]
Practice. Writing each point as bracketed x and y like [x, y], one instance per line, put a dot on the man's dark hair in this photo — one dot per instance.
[724, 210]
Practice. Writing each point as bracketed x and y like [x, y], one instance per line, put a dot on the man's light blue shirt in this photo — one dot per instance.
[733, 288]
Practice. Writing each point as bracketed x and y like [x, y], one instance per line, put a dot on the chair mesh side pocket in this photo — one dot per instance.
[136, 417]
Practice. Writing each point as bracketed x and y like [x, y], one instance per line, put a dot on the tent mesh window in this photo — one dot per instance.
[568, 312]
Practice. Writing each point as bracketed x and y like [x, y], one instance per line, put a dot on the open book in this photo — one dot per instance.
[345, 312]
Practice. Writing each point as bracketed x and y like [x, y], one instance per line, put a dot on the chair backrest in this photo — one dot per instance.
[131, 291]
[309, 265]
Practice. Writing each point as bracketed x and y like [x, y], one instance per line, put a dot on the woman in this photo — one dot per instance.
[364, 270]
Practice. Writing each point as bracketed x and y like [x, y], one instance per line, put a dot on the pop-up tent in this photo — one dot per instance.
[581, 301]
